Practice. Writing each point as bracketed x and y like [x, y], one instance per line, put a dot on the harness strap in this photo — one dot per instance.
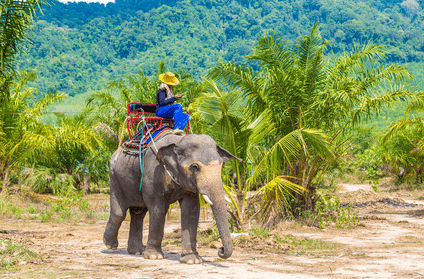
[170, 175]
[143, 151]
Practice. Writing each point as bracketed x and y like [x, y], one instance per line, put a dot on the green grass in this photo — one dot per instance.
[273, 241]
[32, 210]
[307, 246]
[11, 255]
[329, 213]
[71, 207]
[259, 232]
[208, 236]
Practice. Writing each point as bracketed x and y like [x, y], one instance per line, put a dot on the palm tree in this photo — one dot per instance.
[23, 135]
[74, 149]
[310, 101]
[221, 115]
[16, 17]
[403, 139]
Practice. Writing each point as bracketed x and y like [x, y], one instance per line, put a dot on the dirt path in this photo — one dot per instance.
[388, 244]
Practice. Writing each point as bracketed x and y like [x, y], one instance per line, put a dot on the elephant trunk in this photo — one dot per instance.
[219, 209]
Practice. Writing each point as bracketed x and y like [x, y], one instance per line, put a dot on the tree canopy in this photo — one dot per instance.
[79, 47]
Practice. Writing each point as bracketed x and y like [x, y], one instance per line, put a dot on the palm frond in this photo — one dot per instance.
[403, 124]
[16, 17]
[372, 105]
[262, 127]
[356, 59]
[383, 74]
[272, 52]
[275, 196]
[41, 106]
[242, 78]
[416, 103]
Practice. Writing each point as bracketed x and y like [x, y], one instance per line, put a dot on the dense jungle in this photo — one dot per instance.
[322, 100]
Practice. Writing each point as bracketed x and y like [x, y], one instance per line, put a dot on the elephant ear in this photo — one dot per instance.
[226, 155]
[167, 155]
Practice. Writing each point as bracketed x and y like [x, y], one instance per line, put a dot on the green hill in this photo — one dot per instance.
[79, 47]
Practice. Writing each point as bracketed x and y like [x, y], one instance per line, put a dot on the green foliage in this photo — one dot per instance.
[80, 47]
[208, 236]
[328, 212]
[69, 205]
[403, 149]
[16, 17]
[255, 231]
[24, 136]
[32, 210]
[310, 105]
[308, 246]
[370, 163]
[45, 216]
[9, 209]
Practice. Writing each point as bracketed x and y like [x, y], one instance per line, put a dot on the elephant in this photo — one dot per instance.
[176, 168]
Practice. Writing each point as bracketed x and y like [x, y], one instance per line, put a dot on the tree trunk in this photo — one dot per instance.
[86, 183]
[5, 179]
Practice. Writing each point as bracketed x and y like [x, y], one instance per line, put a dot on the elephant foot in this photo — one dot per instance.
[110, 244]
[191, 258]
[136, 250]
[154, 254]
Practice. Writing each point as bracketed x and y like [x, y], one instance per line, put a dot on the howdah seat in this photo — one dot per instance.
[142, 122]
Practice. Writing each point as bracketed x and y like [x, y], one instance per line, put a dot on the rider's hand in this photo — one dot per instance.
[178, 96]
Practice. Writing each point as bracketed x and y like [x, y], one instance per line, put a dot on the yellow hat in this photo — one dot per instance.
[169, 78]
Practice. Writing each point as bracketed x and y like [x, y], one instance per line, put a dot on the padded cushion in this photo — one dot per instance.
[144, 107]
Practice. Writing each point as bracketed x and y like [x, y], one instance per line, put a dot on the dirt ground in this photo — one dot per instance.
[387, 244]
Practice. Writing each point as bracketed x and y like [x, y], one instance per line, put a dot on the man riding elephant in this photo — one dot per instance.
[166, 102]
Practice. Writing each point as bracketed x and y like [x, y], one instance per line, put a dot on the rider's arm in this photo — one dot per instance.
[162, 101]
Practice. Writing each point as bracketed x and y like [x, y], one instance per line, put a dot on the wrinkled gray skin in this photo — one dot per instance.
[195, 162]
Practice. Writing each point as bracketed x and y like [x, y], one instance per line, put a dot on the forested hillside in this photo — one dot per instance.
[79, 47]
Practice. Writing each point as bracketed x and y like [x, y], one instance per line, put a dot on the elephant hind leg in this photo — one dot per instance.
[135, 240]
[117, 216]
[110, 237]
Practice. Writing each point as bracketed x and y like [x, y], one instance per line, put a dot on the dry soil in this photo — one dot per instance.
[387, 244]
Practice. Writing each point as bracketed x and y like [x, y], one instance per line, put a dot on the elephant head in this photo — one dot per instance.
[195, 162]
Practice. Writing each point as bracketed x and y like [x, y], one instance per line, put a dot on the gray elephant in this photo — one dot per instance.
[182, 167]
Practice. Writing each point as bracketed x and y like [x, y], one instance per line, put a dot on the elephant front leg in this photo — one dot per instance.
[135, 240]
[190, 210]
[156, 229]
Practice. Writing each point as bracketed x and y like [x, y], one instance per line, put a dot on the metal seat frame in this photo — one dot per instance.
[152, 122]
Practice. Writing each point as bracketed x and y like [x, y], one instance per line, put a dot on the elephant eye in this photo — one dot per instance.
[194, 168]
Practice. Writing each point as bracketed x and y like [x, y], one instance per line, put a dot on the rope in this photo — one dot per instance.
[141, 159]
[141, 156]
[121, 137]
